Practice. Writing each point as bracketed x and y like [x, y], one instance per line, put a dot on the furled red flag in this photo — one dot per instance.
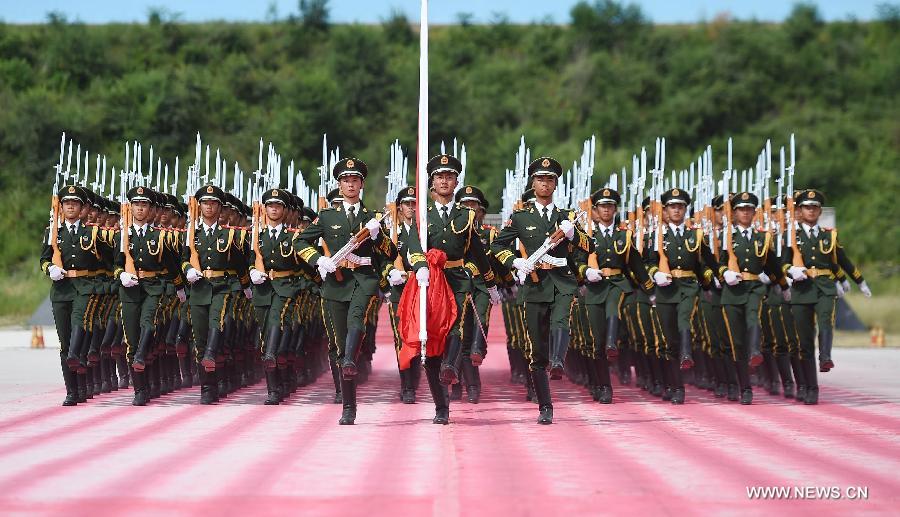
[441, 312]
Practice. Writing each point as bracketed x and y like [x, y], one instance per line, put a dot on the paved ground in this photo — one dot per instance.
[636, 456]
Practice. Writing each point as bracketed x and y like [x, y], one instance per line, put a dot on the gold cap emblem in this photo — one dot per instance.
[605, 192]
[745, 196]
[810, 194]
[274, 192]
[350, 164]
[675, 192]
[209, 189]
[444, 160]
[468, 190]
[545, 163]
[410, 191]
[71, 190]
[140, 190]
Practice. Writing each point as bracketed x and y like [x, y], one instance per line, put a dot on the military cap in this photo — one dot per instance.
[545, 166]
[406, 194]
[182, 208]
[210, 193]
[472, 193]
[140, 194]
[605, 196]
[308, 214]
[443, 163]
[298, 203]
[718, 202]
[676, 195]
[171, 202]
[276, 195]
[645, 204]
[744, 199]
[811, 197]
[72, 192]
[115, 207]
[350, 167]
[334, 196]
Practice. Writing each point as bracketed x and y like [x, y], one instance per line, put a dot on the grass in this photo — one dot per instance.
[22, 290]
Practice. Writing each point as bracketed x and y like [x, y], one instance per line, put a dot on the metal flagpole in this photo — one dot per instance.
[422, 174]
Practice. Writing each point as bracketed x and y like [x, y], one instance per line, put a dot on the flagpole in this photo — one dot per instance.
[422, 160]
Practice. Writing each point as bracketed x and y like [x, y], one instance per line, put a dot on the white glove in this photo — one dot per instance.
[248, 293]
[797, 273]
[653, 300]
[786, 294]
[568, 229]
[592, 275]
[374, 227]
[764, 278]
[127, 279]
[520, 277]
[732, 277]
[56, 273]
[422, 276]
[789, 280]
[846, 285]
[396, 277]
[864, 287]
[182, 297]
[662, 279]
[523, 266]
[326, 264]
[717, 283]
[840, 289]
[193, 275]
[257, 276]
[495, 296]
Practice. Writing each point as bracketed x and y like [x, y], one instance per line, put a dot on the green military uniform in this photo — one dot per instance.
[742, 298]
[690, 261]
[221, 258]
[813, 292]
[607, 287]
[348, 292]
[548, 300]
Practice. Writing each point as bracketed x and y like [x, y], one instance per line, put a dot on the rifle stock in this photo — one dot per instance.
[126, 239]
[193, 211]
[259, 263]
[796, 256]
[54, 232]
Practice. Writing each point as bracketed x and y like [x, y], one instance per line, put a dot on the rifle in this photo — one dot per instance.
[258, 221]
[193, 213]
[592, 258]
[726, 226]
[125, 215]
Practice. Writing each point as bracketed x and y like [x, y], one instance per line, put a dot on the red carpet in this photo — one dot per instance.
[636, 456]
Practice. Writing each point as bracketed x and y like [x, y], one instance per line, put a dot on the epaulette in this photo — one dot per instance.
[519, 210]
[460, 206]
[91, 224]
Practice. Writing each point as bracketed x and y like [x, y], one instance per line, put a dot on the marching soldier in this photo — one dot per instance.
[452, 229]
[220, 258]
[550, 285]
[142, 288]
[753, 254]
[813, 294]
[677, 291]
[350, 286]
[607, 284]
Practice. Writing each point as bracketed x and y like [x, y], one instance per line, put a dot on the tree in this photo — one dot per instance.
[314, 14]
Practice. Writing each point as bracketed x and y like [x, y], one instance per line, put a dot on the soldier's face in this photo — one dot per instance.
[140, 210]
[408, 209]
[720, 216]
[543, 186]
[675, 213]
[302, 224]
[275, 211]
[85, 211]
[605, 213]
[809, 214]
[210, 209]
[744, 215]
[71, 209]
[351, 187]
[444, 183]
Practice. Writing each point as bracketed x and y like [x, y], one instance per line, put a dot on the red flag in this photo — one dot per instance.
[441, 312]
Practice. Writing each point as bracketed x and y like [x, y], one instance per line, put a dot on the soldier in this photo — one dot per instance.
[148, 259]
[549, 285]
[350, 286]
[220, 258]
[275, 286]
[452, 229]
[689, 259]
[607, 284]
[747, 268]
[813, 294]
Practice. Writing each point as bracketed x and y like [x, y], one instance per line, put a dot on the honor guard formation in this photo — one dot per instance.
[724, 280]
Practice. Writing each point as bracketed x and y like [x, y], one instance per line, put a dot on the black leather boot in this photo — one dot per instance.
[529, 389]
[612, 338]
[141, 396]
[812, 383]
[721, 387]
[438, 391]
[153, 377]
[93, 354]
[743, 376]
[336, 377]
[559, 345]
[479, 347]
[774, 377]
[105, 386]
[826, 338]
[473, 380]
[213, 342]
[677, 383]
[273, 388]
[349, 368]
[545, 402]
[82, 386]
[658, 378]
[784, 371]
[684, 341]
[143, 348]
[348, 389]
[75, 342]
[124, 372]
[71, 382]
[187, 377]
[799, 378]
[451, 363]
[753, 346]
[206, 387]
[273, 338]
